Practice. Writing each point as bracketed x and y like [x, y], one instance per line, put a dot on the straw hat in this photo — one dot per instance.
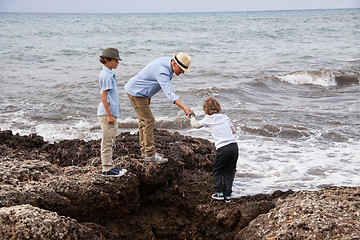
[183, 60]
[111, 53]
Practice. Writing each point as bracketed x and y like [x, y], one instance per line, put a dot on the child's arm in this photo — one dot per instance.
[194, 123]
[233, 129]
[110, 117]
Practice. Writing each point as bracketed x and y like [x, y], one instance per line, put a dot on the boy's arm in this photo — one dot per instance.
[110, 117]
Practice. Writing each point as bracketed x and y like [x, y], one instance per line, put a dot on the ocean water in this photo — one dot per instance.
[289, 80]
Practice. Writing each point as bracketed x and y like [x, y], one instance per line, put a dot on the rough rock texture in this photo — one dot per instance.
[28, 222]
[331, 213]
[55, 191]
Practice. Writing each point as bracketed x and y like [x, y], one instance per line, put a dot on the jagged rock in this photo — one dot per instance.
[79, 192]
[28, 222]
[331, 213]
[65, 178]
[62, 180]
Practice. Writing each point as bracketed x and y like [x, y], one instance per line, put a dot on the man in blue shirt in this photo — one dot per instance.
[151, 79]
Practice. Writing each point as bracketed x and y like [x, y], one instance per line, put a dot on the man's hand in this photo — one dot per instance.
[186, 110]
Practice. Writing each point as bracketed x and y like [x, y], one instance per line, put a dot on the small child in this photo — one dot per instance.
[227, 151]
[108, 111]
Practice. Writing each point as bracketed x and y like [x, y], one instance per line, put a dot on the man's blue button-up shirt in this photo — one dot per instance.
[153, 77]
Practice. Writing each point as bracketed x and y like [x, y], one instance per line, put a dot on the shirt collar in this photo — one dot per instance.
[108, 70]
[172, 72]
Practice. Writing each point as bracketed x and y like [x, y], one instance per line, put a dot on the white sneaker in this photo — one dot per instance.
[157, 158]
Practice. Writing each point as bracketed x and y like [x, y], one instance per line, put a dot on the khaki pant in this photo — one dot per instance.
[107, 142]
[146, 124]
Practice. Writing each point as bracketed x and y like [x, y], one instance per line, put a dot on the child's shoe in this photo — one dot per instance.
[227, 199]
[114, 172]
[218, 196]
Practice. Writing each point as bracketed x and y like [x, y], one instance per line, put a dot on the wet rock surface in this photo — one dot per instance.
[55, 191]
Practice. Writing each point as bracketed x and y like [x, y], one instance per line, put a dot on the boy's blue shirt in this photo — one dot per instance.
[107, 81]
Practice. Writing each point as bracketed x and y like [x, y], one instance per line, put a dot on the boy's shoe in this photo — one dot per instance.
[227, 199]
[218, 196]
[121, 171]
[157, 158]
[114, 172]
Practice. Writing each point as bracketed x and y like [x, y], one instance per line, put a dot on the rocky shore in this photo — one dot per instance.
[55, 191]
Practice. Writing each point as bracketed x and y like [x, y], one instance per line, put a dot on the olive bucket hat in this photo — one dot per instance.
[111, 53]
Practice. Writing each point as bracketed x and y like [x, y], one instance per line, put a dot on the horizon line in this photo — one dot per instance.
[269, 10]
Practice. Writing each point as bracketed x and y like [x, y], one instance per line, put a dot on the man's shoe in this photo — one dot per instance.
[157, 158]
[114, 172]
[218, 196]
[227, 199]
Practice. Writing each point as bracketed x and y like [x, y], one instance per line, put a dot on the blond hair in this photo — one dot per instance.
[211, 106]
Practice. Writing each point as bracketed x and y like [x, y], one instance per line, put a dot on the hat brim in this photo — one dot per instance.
[179, 64]
[111, 58]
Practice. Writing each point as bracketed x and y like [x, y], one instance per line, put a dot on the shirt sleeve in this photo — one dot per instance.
[232, 127]
[165, 84]
[194, 123]
[202, 122]
[106, 83]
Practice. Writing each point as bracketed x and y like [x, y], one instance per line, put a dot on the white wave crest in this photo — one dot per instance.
[324, 77]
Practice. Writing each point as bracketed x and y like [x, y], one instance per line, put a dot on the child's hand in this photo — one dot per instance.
[110, 120]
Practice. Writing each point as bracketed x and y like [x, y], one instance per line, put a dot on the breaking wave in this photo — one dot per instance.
[324, 77]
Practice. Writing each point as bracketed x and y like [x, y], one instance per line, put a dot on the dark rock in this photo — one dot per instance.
[62, 182]
[331, 213]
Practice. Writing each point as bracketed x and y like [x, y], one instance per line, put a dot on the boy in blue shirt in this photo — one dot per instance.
[108, 111]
